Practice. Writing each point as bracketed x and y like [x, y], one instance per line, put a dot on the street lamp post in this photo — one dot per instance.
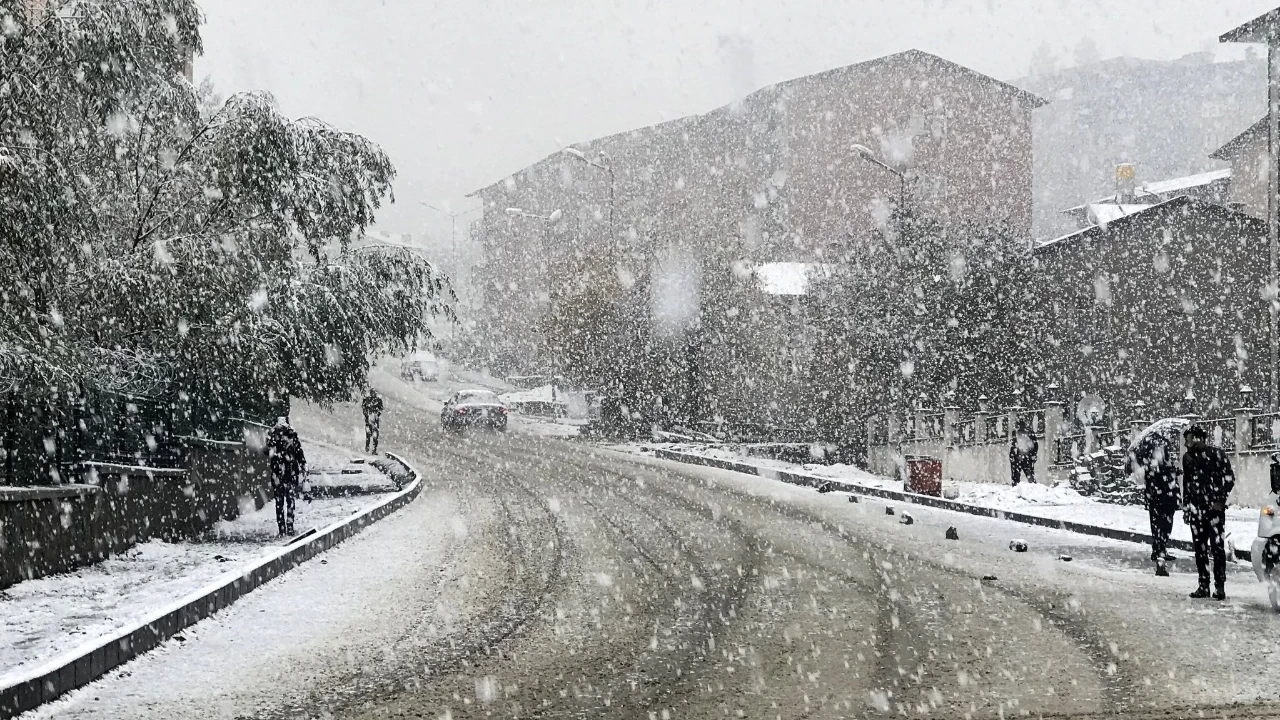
[866, 154]
[576, 153]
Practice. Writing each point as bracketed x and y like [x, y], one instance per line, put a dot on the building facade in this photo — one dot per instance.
[1155, 305]
[776, 176]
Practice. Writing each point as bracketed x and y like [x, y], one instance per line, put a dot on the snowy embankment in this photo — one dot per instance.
[49, 615]
[1052, 502]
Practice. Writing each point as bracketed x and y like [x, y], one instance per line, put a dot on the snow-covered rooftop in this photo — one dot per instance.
[788, 278]
[1103, 213]
[1161, 189]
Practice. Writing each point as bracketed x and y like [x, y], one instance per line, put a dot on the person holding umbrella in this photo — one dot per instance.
[1153, 463]
[1208, 482]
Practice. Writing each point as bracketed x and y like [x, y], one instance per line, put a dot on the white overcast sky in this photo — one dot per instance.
[463, 92]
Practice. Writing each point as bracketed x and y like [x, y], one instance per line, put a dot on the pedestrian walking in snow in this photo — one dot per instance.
[1207, 482]
[372, 406]
[1153, 463]
[1023, 449]
[288, 466]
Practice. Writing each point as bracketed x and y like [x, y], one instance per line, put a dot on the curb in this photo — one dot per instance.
[79, 667]
[928, 501]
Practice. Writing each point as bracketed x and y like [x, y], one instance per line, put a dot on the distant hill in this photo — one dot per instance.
[1163, 116]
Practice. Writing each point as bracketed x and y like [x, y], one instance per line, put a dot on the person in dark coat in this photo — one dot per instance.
[372, 407]
[288, 467]
[1153, 463]
[1207, 482]
[1023, 449]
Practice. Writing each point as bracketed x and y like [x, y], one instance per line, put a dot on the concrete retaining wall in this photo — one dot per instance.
[52, 529]
[83, 665]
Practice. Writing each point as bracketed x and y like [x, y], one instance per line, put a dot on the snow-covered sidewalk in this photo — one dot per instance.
[1050, 502]
[47, 616]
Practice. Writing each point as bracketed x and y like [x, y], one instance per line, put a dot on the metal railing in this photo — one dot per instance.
[1067, 448]
[931, 427]
[1222, 432]
[1034, 420]
[1113, 439]
[1264, 431]
[966, 431]
[997, 429]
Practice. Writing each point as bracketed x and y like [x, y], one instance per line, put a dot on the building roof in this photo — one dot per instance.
[1186, 182]
[934, 62]
[1263, 29]
[1228, 151]
[1157, 188]
[1103, 213]
[1149, 213]
[1031, 100]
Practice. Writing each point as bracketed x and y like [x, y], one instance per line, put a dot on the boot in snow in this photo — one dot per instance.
[1200, 593]
[1220, 594]
[1162, 570]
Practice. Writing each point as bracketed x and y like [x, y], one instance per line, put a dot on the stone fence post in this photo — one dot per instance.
[980, 426]
[1052, 431]
[950, 416]
[1244, 438]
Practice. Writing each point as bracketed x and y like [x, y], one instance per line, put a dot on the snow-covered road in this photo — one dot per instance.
[540, 578]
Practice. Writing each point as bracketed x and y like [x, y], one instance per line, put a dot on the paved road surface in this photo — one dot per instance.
[543, 579]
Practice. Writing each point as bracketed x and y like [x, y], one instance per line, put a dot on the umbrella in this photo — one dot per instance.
[1168, 428]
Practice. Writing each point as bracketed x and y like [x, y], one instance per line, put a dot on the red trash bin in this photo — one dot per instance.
[924, 476]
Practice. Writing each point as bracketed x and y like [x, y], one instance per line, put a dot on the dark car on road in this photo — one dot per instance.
[474, 408]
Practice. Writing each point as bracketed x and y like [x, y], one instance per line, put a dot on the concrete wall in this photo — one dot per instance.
[48, 530]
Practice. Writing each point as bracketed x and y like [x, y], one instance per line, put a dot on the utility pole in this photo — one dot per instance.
[1265, 29]
[453, 240]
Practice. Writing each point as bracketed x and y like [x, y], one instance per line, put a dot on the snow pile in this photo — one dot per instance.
[1018, 496]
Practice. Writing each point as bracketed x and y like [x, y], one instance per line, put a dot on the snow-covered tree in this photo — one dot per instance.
[160, 243]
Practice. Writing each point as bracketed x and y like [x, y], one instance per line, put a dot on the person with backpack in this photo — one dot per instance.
[288, 465]
[1207, 483]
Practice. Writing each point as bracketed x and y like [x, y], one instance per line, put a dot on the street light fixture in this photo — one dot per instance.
[577, 154]
[870, 157]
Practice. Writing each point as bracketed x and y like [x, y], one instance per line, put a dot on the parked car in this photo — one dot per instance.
[421, 366]
[474, 408]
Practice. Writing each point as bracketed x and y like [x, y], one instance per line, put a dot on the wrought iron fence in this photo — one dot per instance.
[1264, 431]
[966, 431]
[1067, 448]
[1117, 439]
[1222, 432]
[997, 428]
[931, 427]
[1034, 420]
